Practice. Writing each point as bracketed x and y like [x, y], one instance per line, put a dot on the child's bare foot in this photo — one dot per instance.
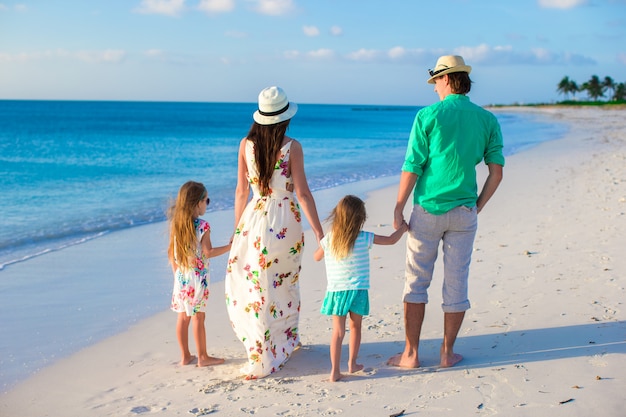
[402, 361]
[210, 361]
[334, 377]
[355, 368]
[186, 360]
[448, 361]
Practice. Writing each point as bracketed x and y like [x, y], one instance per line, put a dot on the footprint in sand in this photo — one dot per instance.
[598, 360]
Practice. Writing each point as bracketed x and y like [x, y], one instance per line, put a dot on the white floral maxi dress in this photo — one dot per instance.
[262, 289]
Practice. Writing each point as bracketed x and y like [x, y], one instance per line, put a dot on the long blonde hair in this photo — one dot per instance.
[267, 140]
[183, 238]
[347, 218]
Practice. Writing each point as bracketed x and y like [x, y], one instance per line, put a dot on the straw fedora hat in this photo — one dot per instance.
[448, 64]
[274, 107]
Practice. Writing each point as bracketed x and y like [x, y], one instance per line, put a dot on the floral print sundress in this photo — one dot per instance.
[191, 285]
[262, 289]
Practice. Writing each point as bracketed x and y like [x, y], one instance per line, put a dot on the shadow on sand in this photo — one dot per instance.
[480, 351]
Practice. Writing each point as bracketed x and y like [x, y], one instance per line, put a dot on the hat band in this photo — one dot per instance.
[433, 73]
[274, 113]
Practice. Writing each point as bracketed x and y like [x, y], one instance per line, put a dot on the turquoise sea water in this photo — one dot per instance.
[75, 171]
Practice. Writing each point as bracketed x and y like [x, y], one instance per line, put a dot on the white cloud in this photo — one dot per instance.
[336, 31]
[542, 55]
[310, 30]
[321, 54]
[109, 55]
[16, 7]
[504, 48]
[482, 54]
[397, 52]
[506, 55]
[317, 55]
[274, 7]
[364, 55]
[479, 55]
[33, 56]
[621, 57]
[561, 4]
[475, 54]
[164, 7]
[400, 54]
[153, 53]
[216, 6]
[293, 54]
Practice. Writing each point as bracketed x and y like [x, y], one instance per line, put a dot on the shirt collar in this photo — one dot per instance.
[456, 97]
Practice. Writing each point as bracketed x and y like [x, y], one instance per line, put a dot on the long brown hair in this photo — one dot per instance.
[267, 140]
[183, 237]
[348, 218]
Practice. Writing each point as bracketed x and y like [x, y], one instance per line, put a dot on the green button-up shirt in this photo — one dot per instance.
[447, 141]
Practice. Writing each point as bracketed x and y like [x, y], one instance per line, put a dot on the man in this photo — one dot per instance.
[447, 141]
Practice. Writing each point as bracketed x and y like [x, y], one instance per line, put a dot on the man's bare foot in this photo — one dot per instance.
[187, 360]
[210, 361]
[356, 368]
[402, 361]
[448, 361]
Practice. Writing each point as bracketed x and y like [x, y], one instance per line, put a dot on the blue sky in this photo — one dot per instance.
[319, 51]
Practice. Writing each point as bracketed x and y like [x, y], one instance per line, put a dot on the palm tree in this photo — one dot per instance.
[620, 92]
[567, 86]
[573, 88]
[593, 87]
[563, 86]
[609, 84]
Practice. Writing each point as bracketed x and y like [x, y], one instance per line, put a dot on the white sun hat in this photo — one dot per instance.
[274, 107]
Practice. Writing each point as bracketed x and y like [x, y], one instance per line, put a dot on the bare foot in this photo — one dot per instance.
[448, 361]
[402, 361]
[356, 368]
[186, 360]
[335, 377]
[210, 361]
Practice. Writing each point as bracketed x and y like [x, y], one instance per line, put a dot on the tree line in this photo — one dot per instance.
[595, 88]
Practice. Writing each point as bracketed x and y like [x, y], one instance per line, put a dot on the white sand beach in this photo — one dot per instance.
[546, 334]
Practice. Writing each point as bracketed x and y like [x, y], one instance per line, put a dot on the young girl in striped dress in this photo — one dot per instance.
[345, 249]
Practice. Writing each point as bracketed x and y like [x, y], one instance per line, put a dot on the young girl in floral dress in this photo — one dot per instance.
[189, 251]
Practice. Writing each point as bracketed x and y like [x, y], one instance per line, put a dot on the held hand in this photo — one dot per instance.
[398, 219]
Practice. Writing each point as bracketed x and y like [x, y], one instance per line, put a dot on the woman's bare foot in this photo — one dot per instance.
[448, 361]
[402, 361]
[356, 368]
[186, 360]
[210, 361]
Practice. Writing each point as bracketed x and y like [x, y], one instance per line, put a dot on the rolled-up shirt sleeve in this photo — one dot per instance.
[493, 151]
[417, 149]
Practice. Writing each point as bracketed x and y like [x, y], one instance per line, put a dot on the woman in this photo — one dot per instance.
[262, 290]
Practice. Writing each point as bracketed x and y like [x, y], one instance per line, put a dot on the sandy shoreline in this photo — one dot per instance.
[546, 333]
